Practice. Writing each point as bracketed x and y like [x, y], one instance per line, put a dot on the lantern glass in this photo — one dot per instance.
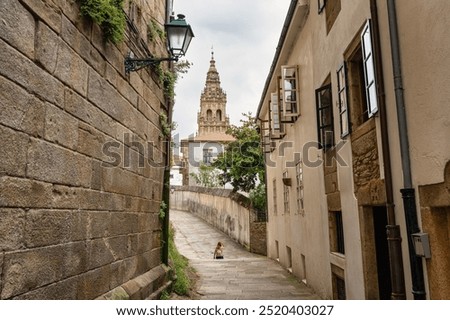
[179, 35]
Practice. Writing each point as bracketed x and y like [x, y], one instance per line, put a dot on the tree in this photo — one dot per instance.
[242, 163]
[207, 176]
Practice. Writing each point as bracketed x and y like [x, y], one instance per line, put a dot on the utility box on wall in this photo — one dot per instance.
[421, 244]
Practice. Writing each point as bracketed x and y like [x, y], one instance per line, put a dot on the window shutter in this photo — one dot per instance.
[344, 115]
[289, 96]
[324, 108]
[369, 70]
[321, 4]
[274, 111]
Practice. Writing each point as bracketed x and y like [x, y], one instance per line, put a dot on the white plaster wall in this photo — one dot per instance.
[222, 212]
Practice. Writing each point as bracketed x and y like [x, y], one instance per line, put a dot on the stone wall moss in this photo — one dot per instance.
[109, 15]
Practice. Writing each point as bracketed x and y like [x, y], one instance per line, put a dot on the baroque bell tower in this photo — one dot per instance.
[212, 117]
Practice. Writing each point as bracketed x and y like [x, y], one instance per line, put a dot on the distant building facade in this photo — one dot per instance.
[213, 122]
[176, 173]
[344, 205]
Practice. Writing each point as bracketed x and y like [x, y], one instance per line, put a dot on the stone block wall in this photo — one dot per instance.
[227, 211]
[369, 187]
[79, 190]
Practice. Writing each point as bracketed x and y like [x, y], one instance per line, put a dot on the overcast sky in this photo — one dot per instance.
[245, 35]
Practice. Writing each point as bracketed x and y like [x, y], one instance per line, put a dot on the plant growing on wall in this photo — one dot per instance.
[154, 31]
[169, 78]
[166, 127]
[108, 14]
[162, 210]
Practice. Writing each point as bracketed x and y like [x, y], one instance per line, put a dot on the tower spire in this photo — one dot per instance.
[212, 117]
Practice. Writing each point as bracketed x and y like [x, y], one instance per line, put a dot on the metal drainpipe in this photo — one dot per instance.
[166, 179]
[408, 192]
[392, 229]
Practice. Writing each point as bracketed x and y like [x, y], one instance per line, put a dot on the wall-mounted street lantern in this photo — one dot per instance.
[179, 36]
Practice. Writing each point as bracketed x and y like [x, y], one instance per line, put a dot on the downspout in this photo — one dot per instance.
[166, 178]
[408, 192]
[392, 229]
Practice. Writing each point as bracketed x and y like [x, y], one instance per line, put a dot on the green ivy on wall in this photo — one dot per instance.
[108, 14]
[154, 30]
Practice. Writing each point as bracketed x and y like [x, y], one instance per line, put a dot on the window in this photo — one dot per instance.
[209, 115]
[274, 111]
[344, 116]
[277, 251]
[289, 93]
[266, 143]
[218, 115]
[286, 194]
[338, 288]
[336, 232]
[300, 194]
[324, 105]
[303, 275]
[207, 156]
[332, 9]
[357, 84]
[321, 4]
[369, 70]
[274, 190]
[357, 102]
[289, 258]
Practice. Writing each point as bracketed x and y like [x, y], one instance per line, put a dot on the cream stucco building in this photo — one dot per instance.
[355, 127]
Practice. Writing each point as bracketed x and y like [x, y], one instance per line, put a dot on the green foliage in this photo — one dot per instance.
[182, 67]
[154, 30]
[169, 78]
[166, 127]
[258, 197]
[242, 163]
[208, 177]
[182, 283]
[162, 210]
[108, 14]
[164, 295]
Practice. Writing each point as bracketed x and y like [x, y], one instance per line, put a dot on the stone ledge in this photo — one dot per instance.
[146, 286]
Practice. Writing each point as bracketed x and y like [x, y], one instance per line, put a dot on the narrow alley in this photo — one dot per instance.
[241, 275]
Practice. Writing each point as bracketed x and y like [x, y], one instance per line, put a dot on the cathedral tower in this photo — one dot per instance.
[212, 117]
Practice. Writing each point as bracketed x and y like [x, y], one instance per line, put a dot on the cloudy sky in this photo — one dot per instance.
[244, 34]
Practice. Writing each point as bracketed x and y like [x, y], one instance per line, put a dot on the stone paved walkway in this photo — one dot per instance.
[241, 275]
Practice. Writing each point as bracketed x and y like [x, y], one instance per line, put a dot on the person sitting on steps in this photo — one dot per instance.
[218, 253]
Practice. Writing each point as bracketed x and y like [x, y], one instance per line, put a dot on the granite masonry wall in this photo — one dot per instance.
[228, 211]
[79, 199]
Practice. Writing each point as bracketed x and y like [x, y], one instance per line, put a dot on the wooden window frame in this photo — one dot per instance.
[321, 128]
[289, 87]
[344, 112]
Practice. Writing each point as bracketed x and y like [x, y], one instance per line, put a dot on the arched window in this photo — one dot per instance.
[209, 115]
[219, 115]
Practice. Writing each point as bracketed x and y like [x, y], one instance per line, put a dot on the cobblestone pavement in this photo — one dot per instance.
[241, 275]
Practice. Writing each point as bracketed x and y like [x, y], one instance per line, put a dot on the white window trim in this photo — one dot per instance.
[369, 69]
[344, 112]
[287, 106]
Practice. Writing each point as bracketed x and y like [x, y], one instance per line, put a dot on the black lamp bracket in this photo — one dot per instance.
[132, 64]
